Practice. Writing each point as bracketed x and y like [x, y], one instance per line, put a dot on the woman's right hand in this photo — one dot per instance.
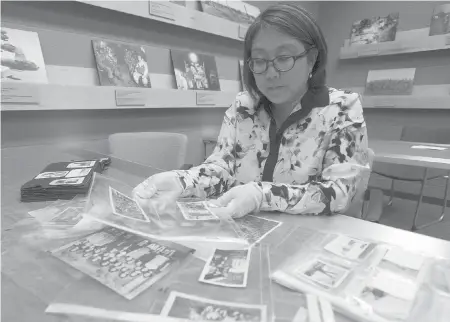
[165, 186]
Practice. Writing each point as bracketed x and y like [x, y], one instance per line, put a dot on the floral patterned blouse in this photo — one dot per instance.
[313, 164]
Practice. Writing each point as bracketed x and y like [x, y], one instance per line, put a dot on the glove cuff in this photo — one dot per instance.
[258, 195]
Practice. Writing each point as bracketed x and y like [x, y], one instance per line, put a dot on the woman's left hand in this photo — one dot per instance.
[240, 200]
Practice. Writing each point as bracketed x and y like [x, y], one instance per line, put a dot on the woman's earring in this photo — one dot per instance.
[310, 75]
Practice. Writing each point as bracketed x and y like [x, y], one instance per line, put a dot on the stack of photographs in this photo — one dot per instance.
[62, 180]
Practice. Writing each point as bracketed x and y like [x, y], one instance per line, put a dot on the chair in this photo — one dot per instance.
[416, 174]
[165, 151]
[367, 204]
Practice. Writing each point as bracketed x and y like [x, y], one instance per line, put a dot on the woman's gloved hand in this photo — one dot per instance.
[240, 200]
[165, 186]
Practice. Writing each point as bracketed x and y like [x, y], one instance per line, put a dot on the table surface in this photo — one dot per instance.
[400, 152]
[32, 279]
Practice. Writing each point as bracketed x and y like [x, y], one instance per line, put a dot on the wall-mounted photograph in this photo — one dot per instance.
[374, 30]
[390, 81]
[21, 57]
[440, 20]
[233, 10]
[195, 71]
[121, 64]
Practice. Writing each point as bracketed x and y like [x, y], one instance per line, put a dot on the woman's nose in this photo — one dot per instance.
[271, 72]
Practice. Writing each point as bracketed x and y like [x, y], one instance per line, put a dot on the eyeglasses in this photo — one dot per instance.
[282, 63]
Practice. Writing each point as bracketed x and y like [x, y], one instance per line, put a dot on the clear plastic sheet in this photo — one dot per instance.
[257, 294]
[364, 280]
[433, 297]
[165, 220]
[88, 293]
[56, 224]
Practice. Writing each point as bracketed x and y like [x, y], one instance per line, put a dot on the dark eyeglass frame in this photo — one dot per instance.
[272, 61]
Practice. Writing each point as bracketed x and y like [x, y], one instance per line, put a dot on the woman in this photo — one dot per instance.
[290, 143]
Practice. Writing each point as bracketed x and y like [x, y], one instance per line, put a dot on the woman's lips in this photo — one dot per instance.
[274, 88]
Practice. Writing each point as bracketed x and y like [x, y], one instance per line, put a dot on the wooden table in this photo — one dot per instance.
[403, 153]
[32, 279]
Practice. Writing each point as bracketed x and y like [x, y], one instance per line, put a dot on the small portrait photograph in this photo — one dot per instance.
[51, 174]
[322, 273]
[227, 268]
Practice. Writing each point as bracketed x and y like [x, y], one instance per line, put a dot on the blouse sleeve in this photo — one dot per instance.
[217, 173]
[345, 166]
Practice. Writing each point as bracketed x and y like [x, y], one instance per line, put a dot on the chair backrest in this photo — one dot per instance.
[166, 151]
[355, 207]
[425, 135]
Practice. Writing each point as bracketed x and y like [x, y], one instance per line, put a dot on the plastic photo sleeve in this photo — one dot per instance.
[187, 295]
[111, 202]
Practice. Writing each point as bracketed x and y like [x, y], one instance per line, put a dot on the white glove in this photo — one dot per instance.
[165, 186]
[240, 200]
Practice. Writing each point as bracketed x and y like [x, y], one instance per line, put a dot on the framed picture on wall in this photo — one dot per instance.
[195, 71]
[374, 30]
[121, 64]
[440, 20]
[390, 81]
[21, 57]
[233, 10]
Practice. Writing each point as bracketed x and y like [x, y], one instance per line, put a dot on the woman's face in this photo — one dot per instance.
[280, 87]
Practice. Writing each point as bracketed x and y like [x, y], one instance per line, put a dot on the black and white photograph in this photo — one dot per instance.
[194, 71]
[67, 218]
[440, 20]
[390, 81]
[125, 206]
[325, 274]
[67, 182]
[347, 247]
[254, 229]
[21, 57]
[227, 268]
[389, 295]
[234, 10]
[81, 164]
[195, 308]
[49, 175]
[78, 172]
[120, 64]
[374, 30]
[125, 262]
[196, 210]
